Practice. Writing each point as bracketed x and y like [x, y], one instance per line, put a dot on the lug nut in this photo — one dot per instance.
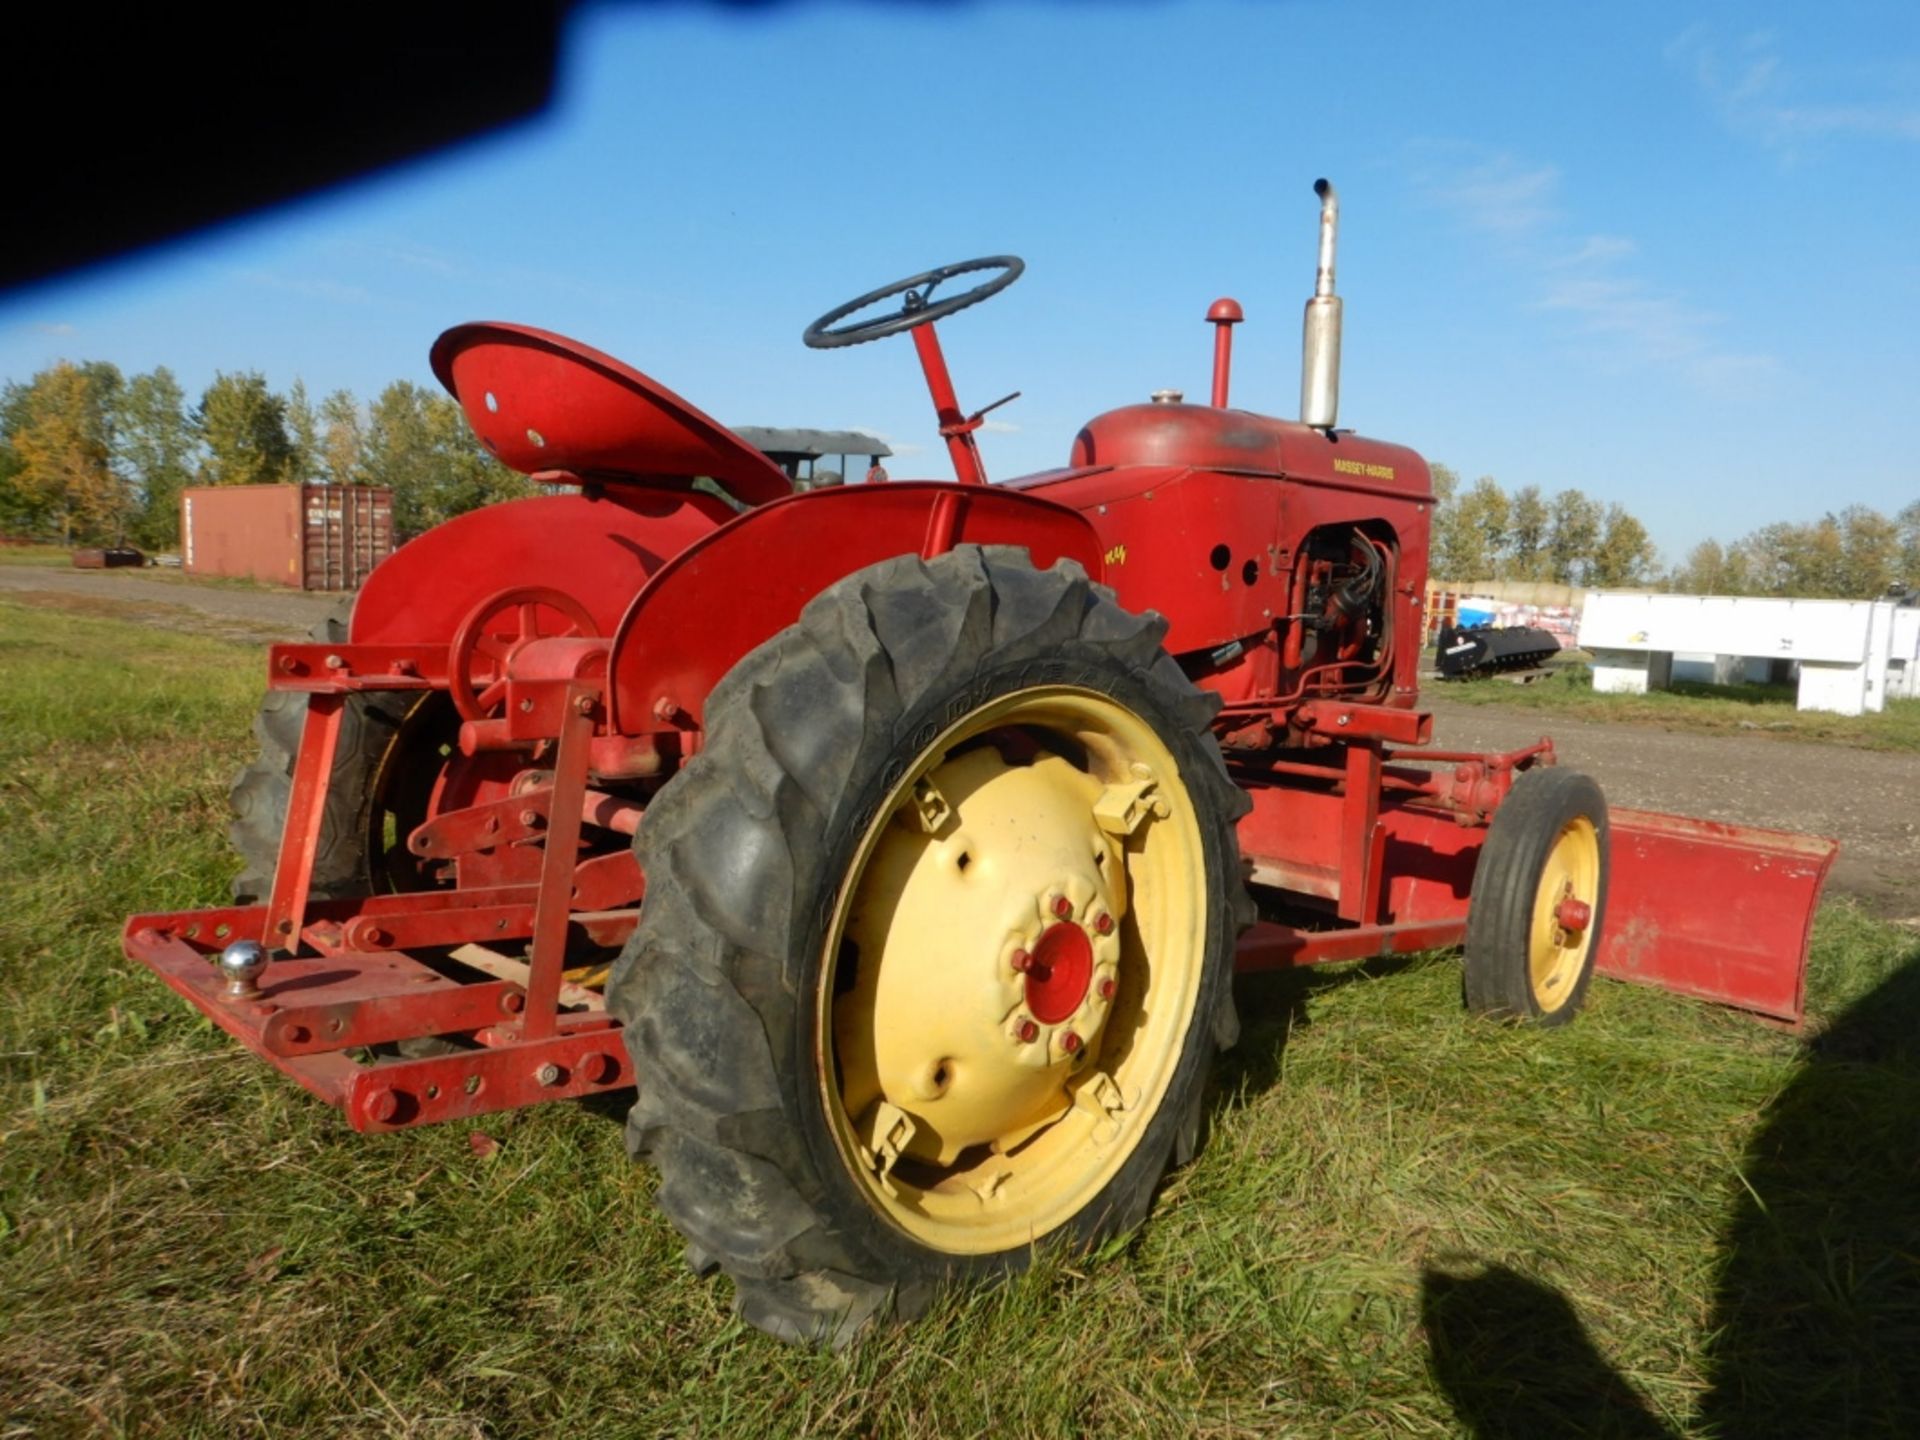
[1108, 988]
[1062, 906]
[1070, 1042]
[1029, 1032]
[1022, 962]
[1103, 923]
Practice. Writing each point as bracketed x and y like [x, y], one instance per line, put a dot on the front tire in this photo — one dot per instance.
[1539, 900]
[937, 944]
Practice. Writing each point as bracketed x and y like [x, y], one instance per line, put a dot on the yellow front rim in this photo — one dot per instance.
[1011, 969]
[1563, 905]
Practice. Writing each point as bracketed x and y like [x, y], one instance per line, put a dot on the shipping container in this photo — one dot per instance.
[306, 537]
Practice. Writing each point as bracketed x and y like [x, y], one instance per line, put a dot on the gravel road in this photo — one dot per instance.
[1868, 800]
[171, 601]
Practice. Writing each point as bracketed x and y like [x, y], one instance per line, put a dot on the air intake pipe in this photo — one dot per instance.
[1320, 336]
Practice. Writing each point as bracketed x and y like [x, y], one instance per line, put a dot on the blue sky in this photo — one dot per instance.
[1668, 254]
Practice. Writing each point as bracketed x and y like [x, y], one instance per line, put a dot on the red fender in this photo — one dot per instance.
[599, 550]
[730, 591]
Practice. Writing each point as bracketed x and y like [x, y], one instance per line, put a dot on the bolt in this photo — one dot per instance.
[664, 709]
[334, 662]
[374, 935]
[526, 706]
[380, 1106]
[584, 705]
[1070, 1042]
[1344, 720]
[1022, 961]
[1029, 1032]
[403, 667]
[1108, 988]
[513, 1002]
[548, 1074]
[1103, 922]
[298, 1034]
[288, 665]
[598, 1069]
[530, 817]
[1062, 906]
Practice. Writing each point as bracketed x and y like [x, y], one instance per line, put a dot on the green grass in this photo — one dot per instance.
[1407, 1223]
[46, 557]
[1766, 710]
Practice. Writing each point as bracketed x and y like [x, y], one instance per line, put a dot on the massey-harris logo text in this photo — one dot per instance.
[1361, 467]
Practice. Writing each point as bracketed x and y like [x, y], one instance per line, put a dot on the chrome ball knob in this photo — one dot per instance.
[242, 963]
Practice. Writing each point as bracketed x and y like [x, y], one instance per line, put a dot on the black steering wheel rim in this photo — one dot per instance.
[916, 310]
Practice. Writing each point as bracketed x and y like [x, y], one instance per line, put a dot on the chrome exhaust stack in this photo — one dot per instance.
[1320, 337]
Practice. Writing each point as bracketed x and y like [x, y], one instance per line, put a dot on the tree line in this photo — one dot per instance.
[1569, 538]
[1857, 554]
[91, 457]
[1483, 533]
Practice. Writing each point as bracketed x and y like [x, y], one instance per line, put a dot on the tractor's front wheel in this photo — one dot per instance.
[1539, 900]
[937, 942]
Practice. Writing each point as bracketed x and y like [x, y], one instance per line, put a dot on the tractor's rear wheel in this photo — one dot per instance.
[938, 940]
[373, 801]
[1539, 898]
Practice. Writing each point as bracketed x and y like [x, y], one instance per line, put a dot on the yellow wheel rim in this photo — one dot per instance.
[1563, 905]
[1011, 969]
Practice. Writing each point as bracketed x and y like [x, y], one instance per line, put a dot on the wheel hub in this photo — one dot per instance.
[988, 956]
[1058, 972]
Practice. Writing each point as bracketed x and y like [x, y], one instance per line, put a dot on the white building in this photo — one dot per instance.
[1851, 655]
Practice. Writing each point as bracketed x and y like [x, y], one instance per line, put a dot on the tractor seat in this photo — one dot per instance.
[553, 408]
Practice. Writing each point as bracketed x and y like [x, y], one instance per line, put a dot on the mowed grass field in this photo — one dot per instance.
[1665, 1219]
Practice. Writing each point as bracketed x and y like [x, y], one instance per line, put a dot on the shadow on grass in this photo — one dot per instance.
[1816, 1321]
[1516, 1364]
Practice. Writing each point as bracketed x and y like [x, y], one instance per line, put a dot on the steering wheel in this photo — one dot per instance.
[916, 309]
[533, 607]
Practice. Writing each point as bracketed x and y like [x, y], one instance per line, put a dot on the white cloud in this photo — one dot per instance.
[1595, 283]
[1495, 193]
[312, 286]
[1757, 95]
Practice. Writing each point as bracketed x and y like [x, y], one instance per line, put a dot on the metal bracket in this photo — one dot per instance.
[1099, 1096]
[1122, 809]
[893, 1131]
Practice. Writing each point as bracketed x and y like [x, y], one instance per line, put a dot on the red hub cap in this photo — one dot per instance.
[1059, 970]
[1574, 915]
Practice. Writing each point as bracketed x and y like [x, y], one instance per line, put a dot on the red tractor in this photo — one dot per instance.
[900, 842]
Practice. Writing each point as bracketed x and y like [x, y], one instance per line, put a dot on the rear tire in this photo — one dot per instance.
[346, 865]
[782, 866]
[1529, 952]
